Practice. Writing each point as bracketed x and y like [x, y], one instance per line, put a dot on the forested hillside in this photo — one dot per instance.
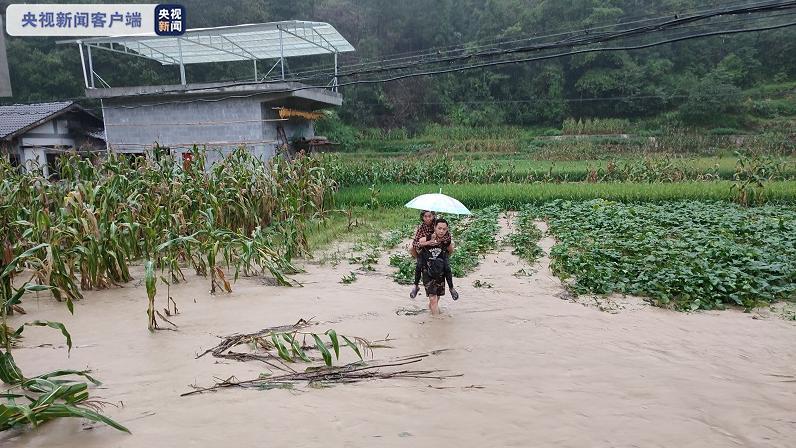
[713, 81]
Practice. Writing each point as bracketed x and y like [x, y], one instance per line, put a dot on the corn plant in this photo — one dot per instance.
[239, 215]
[751, 174]
[289, 343]
[38, 399]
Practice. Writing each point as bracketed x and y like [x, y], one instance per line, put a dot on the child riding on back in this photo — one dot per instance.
[425, 237]
[435, 266]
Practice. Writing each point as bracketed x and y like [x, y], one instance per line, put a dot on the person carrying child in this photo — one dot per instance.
[426, 237]
[435, 266]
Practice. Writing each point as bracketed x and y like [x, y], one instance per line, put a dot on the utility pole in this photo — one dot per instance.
[5, 78]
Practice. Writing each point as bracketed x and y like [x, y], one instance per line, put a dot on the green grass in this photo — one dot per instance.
[367, 225]
[513, 196]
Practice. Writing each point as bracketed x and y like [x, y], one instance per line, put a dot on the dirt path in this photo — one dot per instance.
[537, 370]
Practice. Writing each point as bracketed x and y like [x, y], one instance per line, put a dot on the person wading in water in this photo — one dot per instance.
[435, 265]
[423, 238]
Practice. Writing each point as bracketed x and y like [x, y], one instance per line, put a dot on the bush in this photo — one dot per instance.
[333, 128]
[482, 116]
[435, 131]
[771, 108]
[370, 134]
[592, 126]
[709, 100]
[396, 134]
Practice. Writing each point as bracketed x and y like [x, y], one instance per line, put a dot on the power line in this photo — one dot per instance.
[566, 100]
[327, 71]
[558, 32]
[558, 55]
[603, 37]
[479, 65]
[586, 40]
[588, 37]
[494, 63]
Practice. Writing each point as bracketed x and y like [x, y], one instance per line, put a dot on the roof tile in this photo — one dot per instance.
[18, 116]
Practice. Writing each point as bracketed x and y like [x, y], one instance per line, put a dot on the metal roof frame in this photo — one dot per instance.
[253, 42]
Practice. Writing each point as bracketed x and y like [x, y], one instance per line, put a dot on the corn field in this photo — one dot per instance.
[240, 217]
[82, 232]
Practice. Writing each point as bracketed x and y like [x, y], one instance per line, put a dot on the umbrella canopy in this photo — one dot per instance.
[438, 202]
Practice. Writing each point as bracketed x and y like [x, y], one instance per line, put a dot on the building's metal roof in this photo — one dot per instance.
[230, 43]
[20, 117]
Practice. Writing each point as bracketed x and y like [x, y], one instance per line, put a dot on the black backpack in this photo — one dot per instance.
[436, 268]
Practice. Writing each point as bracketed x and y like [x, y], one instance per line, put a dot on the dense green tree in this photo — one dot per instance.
[710, 98]
[696, 77]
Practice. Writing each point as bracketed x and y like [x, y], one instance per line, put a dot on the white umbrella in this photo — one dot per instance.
[438, 202]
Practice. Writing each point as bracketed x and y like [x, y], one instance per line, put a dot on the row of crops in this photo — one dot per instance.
[682, 254]
[447, 170]
[515, 195]
[99, 217]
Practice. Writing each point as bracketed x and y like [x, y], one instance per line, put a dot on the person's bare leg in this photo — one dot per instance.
[433, 305]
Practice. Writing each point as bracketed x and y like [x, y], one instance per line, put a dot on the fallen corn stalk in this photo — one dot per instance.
[279, 346]
[322, 376]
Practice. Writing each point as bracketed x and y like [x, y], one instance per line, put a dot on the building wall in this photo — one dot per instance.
[221, 126]
[54, 133]
[43, 139]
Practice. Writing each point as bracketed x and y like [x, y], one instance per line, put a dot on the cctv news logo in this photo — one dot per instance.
[37, 20]
[170, 20]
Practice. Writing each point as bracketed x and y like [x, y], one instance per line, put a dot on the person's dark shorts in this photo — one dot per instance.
[433, 287]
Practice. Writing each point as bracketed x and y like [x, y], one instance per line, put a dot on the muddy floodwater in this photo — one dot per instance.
[537, 367]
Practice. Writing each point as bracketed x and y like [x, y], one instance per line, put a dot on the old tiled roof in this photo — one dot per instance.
[20, 116]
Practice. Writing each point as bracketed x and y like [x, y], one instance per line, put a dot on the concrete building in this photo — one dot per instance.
[34, 135]
[210, 115]
[264, 114]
